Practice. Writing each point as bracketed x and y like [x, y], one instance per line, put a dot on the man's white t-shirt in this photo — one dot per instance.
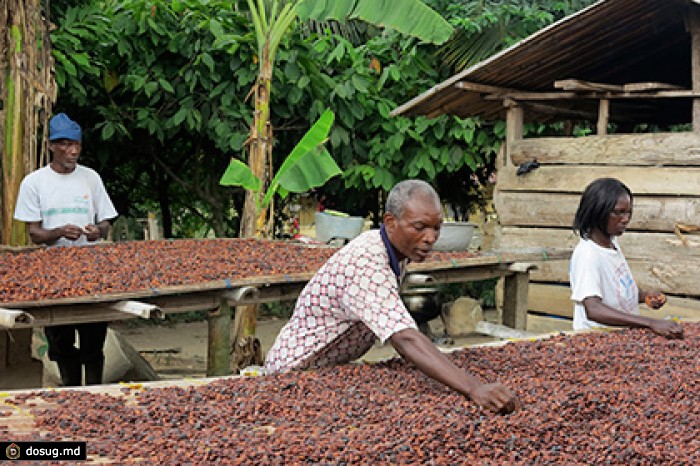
[601, 272]
[56, 199]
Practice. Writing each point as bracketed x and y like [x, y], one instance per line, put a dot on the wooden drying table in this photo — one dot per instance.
[218, 297]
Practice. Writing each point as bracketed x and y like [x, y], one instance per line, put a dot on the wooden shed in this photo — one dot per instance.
[623, 66]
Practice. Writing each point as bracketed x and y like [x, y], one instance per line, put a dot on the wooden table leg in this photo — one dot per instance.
[515, 292]
[219, 341]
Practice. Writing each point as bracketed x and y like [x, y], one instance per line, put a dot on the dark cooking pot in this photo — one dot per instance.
[422, 303]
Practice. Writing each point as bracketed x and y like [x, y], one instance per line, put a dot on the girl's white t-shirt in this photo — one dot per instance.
[601, 272]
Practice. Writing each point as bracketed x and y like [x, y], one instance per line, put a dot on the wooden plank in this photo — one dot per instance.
[173, 304]
[483, 88]
[566, 95]
[648, 274]
[556, 300]
[693, 24]
[502, 257]
[657, 260]
[269, 294]
[549, 298]
[574, 179]
[664, 247]
[651, 213]
[649, 149]
[650, 86]
[561, 109]
[580, 85]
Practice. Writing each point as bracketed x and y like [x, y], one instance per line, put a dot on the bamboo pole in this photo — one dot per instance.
[28, 91]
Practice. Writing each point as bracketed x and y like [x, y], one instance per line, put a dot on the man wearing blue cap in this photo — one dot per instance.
[66, 204]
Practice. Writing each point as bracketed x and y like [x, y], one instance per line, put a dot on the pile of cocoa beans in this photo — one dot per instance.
[102, 269]
[623, 397]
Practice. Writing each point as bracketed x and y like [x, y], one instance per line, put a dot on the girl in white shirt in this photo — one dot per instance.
[602, 287]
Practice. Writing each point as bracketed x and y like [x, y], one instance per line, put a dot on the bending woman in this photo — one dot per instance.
[602, 287]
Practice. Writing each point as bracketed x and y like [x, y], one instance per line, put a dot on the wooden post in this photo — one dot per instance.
[219, 342]
[515, 294]
[603, 117]
[693, 23]
[152, 226]
[4, 348]
[514, 124]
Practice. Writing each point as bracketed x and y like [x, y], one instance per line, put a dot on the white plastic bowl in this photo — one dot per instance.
[455, 236]
[329, 227]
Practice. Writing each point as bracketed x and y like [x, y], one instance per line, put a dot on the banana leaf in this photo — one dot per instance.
[239, 174]
[308, 165]
[412, 17]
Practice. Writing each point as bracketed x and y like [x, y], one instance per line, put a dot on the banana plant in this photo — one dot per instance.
[307, 166]
[272, 20]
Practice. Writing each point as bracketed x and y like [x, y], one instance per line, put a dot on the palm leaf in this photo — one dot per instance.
[467, 48]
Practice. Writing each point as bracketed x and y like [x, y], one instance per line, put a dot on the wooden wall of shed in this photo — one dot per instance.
[663, 172]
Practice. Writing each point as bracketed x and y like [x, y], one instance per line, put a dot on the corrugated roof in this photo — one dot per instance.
[612, 41]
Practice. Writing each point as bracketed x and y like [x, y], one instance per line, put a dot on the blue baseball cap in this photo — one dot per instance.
[62, 127]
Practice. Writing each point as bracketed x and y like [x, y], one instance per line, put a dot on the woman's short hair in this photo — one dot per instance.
[597, 202]
[403, 192]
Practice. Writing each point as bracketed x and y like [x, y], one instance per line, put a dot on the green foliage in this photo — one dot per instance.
[376, 150]
[279, 309]
[308, 166]
[165, 92]
[482, 290]
[72, 48]
[484, 28]
[43, 347]
[411, 17]
[160, 88]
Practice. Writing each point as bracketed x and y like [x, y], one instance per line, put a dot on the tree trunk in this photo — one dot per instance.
[164, 203]
[253, 220]
[28, 91]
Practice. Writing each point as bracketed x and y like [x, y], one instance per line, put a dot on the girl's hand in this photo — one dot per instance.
[655, 299]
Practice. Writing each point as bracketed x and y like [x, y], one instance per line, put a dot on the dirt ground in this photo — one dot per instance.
[180, 350]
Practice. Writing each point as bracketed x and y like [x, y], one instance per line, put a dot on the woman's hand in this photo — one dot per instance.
[667, 328]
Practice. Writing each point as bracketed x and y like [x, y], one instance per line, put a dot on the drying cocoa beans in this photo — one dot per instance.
[613, 398]
[103, 269]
